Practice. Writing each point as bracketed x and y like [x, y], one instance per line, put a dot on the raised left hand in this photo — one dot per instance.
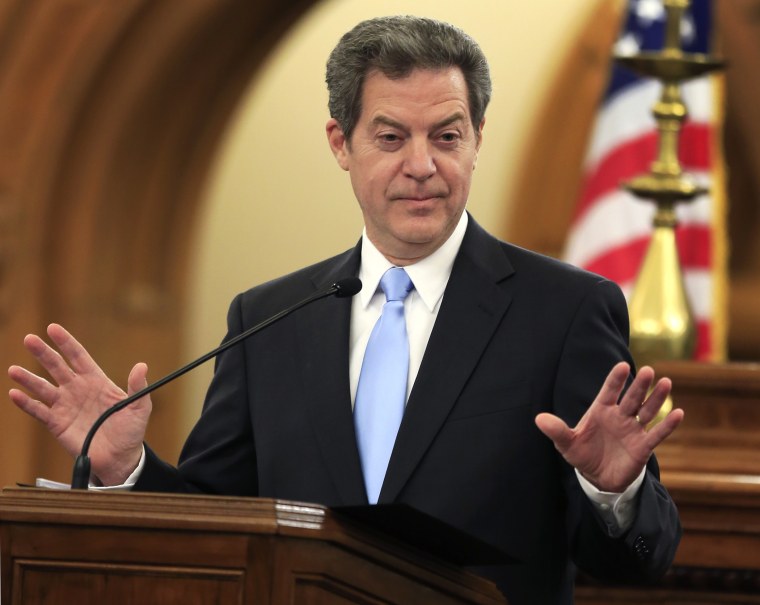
[611, 444]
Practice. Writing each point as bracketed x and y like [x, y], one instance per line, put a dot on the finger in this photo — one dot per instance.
[613, 385]
[653, 404]
[36, 409]
[556, 430]
[49, 359]
[634, 397]
[38, 386]
[80, 360]
[662, 430]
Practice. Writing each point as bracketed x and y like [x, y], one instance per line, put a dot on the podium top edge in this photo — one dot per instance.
[143, 508]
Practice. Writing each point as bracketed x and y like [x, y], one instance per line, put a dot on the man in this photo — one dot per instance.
[500, 345]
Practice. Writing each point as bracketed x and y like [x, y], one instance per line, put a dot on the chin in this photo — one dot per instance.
[425, 229]
[420, 233]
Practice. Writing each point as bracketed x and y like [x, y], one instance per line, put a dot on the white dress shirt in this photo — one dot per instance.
[429, 276]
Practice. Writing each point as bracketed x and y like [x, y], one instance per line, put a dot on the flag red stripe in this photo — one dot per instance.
[635, 156]
[621, 263]
[704, 341]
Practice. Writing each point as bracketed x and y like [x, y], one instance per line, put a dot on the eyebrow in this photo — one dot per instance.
[455, 117]
[385, 120]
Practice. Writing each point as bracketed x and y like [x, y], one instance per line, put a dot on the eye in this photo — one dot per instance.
[389, 141]
[449, 136]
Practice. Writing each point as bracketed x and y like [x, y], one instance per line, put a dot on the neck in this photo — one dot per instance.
[404, 261]
[403, 256]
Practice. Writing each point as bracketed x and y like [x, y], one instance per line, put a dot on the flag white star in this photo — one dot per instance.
[688, 29]
[628, 45]
[648, 11]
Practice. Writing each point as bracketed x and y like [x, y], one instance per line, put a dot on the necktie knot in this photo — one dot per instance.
[396, 284]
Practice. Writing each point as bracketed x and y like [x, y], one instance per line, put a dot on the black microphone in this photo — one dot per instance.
[343, 288]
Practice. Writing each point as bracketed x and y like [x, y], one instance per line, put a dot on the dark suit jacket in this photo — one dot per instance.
[517, 334]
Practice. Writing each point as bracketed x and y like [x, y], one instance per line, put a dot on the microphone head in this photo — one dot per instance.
[347, 287]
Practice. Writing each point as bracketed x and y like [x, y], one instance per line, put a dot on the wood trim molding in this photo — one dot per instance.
[110, 114]
[551, 169]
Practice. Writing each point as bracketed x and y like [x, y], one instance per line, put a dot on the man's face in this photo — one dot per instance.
[410, 159]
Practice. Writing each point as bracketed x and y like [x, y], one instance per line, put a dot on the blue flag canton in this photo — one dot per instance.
[644, 30]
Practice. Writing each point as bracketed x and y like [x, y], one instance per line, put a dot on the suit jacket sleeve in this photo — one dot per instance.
[219, 456]
[648, 547]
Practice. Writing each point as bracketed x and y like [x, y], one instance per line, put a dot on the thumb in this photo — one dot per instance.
[138, 378]
[555, 429]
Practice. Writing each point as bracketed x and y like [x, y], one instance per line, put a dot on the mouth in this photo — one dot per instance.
[418, 198]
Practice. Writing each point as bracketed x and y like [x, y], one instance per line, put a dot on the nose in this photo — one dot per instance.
[419, 163]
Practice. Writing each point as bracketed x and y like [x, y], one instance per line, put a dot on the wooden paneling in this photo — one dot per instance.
[721, 430]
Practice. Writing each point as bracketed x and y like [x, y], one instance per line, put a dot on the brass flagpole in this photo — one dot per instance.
[662, 324]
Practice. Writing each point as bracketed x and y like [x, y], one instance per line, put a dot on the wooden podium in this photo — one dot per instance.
[77, 548]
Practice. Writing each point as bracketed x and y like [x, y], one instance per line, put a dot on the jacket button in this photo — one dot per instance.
[640, 548]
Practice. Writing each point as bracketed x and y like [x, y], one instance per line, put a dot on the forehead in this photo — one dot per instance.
[422, 92]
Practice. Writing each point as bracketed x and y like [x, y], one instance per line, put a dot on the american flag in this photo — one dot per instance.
[611, 228]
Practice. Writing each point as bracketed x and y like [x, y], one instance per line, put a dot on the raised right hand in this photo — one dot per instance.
[78, 393]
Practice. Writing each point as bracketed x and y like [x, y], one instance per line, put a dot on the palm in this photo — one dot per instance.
[79, 392]
[610, 445]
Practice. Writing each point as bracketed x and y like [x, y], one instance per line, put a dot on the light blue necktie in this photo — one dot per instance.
[381, 392]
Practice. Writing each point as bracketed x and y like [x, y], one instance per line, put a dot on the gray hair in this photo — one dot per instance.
[396, 46]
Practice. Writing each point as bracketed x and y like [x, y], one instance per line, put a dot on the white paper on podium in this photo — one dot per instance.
[49, 484]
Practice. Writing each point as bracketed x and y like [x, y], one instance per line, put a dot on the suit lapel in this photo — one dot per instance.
[473, 305]
[324, 332]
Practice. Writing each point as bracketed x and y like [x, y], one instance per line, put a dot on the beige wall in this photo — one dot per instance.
[278, 201]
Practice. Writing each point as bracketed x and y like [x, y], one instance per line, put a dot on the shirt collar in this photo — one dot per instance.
[429, 275]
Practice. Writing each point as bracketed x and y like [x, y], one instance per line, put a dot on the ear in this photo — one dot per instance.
[478, 141]
[480, 134]
[338, 142]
